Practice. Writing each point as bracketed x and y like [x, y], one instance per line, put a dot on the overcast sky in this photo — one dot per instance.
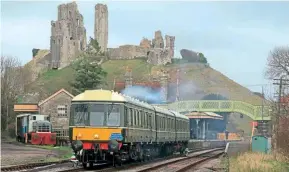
[236, 37]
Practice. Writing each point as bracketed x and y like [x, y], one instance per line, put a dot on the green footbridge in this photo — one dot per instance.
[255, 112]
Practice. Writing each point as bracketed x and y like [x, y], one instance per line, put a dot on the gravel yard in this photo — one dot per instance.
[15, 154]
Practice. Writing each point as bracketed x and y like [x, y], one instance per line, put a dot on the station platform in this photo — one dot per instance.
[198, 144]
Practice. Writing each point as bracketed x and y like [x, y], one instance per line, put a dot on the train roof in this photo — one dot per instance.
[42, 122]
[107, 95]
[29, 114]
[111, 96]
[178, 115]
[163, 110]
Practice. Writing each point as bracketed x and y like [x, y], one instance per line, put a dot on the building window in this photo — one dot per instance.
[62, 110]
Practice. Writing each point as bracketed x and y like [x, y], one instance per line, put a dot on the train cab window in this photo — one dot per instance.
[34, 118]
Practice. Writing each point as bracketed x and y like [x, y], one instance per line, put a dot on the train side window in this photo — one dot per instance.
[134, 117]
[165, 127]
[131, 116]
[160, 119]
[149, 121]
[164, 123]
[164, 119]
[142, 118]
[127, 116]
[159, 122]
[153, 122]
[138, 118]
[145, 119]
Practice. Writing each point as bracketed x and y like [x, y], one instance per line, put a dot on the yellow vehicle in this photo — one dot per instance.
[110, 127]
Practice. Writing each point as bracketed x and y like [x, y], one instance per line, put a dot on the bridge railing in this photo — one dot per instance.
[255, 112]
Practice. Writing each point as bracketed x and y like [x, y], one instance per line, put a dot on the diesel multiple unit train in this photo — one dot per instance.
[109, 127]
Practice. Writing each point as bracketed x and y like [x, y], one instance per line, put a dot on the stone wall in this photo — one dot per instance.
[127, 52]
[68, 36]
[50, 108]
[155, 51]
[101, 26]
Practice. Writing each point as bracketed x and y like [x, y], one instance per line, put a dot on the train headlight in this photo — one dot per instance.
[76, 145]
[79, 135]
[95, 136]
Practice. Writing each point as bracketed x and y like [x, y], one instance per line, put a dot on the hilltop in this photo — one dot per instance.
[203, 78]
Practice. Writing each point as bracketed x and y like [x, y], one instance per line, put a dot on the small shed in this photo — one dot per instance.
[260, 144]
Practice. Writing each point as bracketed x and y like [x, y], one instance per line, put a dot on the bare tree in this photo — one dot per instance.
[12, 85]
[278, 62]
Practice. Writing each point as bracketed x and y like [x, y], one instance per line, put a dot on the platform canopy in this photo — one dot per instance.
[26, 108]
[204, 115]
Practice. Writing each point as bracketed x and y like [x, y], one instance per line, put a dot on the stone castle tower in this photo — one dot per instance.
[68, 36]
[101, 26]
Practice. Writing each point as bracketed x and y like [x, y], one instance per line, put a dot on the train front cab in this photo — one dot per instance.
[95, 136]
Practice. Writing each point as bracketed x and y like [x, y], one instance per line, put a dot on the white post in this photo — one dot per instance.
[204, 129]
[197, 120]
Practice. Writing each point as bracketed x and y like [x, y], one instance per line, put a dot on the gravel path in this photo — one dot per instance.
[15, 154]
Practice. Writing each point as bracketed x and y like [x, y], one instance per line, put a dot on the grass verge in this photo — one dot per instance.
[259, 162]
[64, 152]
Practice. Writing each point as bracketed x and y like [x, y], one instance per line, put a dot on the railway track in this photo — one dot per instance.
[31, 166]
[183, 165]
[150, 165]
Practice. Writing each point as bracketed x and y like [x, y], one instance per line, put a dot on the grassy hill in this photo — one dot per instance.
[204, 77]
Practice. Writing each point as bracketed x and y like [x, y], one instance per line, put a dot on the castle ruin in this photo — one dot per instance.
[68, 36]
[157, 51]
[101, 26]
[68, 40]
[154, 51]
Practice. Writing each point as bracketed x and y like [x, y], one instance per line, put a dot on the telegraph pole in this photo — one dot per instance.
[280, 83]
[262, 103]
[177, 91]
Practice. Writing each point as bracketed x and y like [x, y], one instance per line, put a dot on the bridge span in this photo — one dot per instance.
[255, 112]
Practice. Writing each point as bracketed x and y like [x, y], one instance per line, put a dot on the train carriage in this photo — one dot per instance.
[106, 126]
